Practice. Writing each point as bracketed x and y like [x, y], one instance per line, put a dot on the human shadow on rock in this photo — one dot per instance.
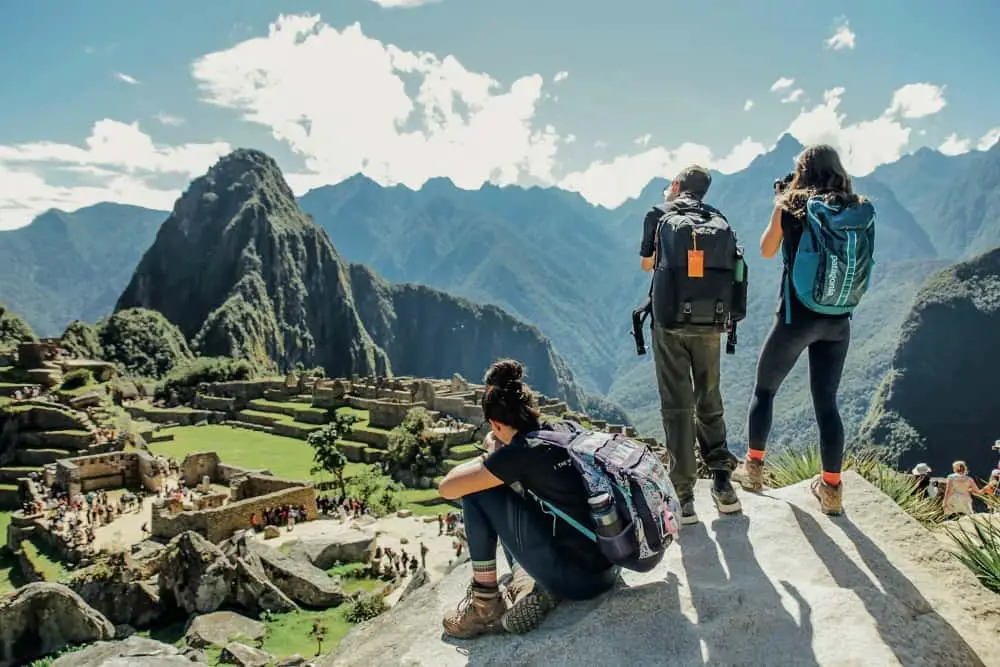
[637, 625]
[741, 617]
[905, 620]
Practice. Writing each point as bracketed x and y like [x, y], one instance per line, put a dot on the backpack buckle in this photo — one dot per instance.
[686, 311]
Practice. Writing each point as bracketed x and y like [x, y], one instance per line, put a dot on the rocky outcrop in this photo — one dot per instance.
[305, 584]
[135, 603]
[345, 545]
[199, 578]
[780, 585]
[222, 627]
[939, 402]
[245, 656]
[133, 652]
[42, 618]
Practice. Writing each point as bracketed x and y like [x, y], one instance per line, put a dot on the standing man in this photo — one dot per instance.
[692, 252]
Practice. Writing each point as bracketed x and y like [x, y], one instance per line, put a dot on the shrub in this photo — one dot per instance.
[81, 377]
[366, 607]
[13, 328]
[413, 446]
[189, 375]
[81, 339]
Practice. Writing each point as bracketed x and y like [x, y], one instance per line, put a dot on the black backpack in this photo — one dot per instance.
[700, 276]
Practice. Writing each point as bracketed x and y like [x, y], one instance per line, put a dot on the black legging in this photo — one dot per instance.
[827, 340]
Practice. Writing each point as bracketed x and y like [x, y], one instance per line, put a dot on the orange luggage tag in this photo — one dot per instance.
[696, 259]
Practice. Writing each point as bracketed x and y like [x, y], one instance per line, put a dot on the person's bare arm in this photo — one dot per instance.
[770, 241]
[648, 263]
[470, 477]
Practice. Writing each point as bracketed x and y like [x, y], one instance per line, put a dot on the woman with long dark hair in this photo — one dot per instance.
[819, 174]
[549, 559]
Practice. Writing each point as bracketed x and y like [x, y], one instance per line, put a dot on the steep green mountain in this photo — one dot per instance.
[68, 266]
[243, 272]
[955, 199]
[939, 402]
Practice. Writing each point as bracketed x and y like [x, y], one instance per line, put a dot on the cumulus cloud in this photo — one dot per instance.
[560, 76]
[781, 84]
[916, 100]
[952, 145]
[748, 105]
[989, 139]
[793, 96]
[169, 120]
[643, 140]
[355, 113]
[842, 38]
[115, 163]
[130, 80]
[402, 4]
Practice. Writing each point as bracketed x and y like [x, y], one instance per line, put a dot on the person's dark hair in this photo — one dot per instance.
[695, 181]
[507, 399]
[818, 173]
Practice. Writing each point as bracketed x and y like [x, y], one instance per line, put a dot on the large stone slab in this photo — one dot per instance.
[222, 627]
[782, 584]
[341, 544]
[133, 652]
[305, 584]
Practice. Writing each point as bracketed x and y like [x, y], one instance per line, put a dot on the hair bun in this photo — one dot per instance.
[506, 374]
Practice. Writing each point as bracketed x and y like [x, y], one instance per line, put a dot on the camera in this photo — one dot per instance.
[639, 316]
[780, 184]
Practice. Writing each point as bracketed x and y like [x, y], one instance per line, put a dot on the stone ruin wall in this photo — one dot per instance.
[262, 485]
[220, 523]
[197, 466]
[113, 470]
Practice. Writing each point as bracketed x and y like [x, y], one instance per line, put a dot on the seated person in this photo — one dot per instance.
[549, 559]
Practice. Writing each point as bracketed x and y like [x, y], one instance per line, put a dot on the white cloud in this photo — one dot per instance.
[569, 139]
[952, 145]
[560, 76]
[782, 83]
[643, 140]
[748, 105]
[916, 100]
[793, 96]
[130, 80]
[167, 119]
[347, 119]
[600, 144]
[115, 163]
[989, 139]
[842, 38]
[392, 4]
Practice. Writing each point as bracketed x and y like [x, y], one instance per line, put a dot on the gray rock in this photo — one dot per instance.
[245, 656]
[291, 661]
[133, 652]
[305, 584]
[198, 578]
[40, 618]
[222, 627]
[342, 544]
[135, 603]
[418, 579]
[780, 585]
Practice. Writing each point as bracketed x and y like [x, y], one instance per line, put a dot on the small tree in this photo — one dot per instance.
[327, 454]
[414, 446]
[318, 633]
[367, 483]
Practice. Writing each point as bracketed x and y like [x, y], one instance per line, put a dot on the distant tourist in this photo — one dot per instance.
[922, 475]
[992, 488]
[819, 197]
[958, 491]
[562, 561]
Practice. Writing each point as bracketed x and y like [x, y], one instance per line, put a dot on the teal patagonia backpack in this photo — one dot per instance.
[833, 265]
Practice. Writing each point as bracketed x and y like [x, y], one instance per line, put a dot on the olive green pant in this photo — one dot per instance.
[687, 375]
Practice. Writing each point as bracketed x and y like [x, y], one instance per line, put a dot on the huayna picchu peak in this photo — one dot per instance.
[243, 272]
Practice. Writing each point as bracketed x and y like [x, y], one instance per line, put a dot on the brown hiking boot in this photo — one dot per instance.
[530, 604]
[829, 497]
[478, 614]
[750, 475]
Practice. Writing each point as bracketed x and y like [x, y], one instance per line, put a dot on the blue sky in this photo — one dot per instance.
[128, 100]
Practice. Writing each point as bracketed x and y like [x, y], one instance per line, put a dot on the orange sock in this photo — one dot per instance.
[831, 478]
[756, 455]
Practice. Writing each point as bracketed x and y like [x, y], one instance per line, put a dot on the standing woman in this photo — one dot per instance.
[819, 174]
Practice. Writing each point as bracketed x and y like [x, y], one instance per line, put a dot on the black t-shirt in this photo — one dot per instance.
[791, 235]
[547, 471]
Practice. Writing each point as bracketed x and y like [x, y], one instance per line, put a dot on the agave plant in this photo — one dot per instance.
[979, 548]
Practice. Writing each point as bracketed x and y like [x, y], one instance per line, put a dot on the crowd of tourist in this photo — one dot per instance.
[342, 507]
[280, 515]
[957, 492]
[74, 519]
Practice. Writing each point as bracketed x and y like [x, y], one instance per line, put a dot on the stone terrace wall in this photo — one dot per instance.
[220, 523]
[262, 485]
[113, 470]
[383, 414]
[225, 473]
[198, 464]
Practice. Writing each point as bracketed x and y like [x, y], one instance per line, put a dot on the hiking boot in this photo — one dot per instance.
[478, 614]
[530, 604]
[724, 495]
[830, 497]
[688, 515]
[751, 475]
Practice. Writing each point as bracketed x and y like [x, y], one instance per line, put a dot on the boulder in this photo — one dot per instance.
[271, 532]
[245, 656]
[133, 652]
[198, 578]
[291, 661]
[781, 584]
[135, 603]
[41, 618]
[343, 545]
[304, 583]
[222, 627]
